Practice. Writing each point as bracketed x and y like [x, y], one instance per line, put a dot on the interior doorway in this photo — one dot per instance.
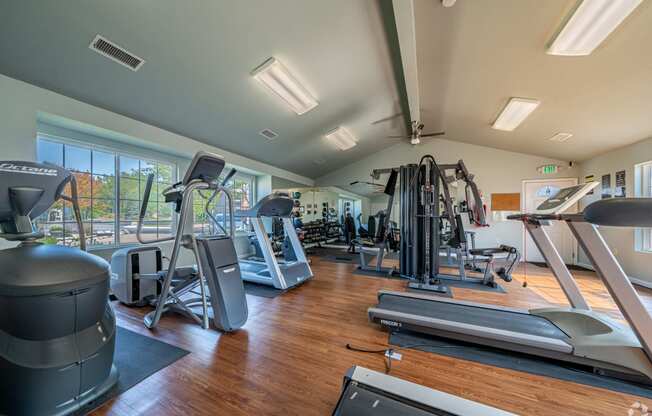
[534, 193]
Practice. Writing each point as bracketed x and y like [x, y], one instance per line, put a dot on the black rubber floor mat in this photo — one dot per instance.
[465, 284]
[136, 357]
[570, 266]
[515, 361]
[263, 291]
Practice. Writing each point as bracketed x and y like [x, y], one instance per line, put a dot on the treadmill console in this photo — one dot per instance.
[205, 166]
[565, 198]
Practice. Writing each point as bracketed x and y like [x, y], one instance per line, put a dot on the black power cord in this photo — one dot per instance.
[388, 352]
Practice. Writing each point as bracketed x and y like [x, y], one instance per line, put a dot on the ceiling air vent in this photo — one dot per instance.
[268, 134]
[116, 53]
[560, 137]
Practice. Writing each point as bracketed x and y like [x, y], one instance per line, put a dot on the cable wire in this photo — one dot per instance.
[388, 352]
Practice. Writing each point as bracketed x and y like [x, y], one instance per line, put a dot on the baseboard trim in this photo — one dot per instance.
[642, 283]
[635, 281]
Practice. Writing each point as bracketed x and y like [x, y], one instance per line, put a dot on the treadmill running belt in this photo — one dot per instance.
[488, 318]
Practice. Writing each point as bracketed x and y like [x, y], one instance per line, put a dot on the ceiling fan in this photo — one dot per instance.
[417, 134]
[376, 188]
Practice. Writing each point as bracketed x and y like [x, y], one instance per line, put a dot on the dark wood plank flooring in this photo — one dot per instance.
[291, 356]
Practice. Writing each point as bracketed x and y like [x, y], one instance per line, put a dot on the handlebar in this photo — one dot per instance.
[228, 177]
[181, 203]
[74, 200]
[143, 212]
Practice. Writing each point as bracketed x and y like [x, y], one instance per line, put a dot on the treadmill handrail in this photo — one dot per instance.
[186, 190]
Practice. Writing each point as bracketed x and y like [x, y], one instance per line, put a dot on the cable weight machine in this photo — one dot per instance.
[426, 204]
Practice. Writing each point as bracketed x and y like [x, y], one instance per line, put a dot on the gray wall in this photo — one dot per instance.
[621, 240]
[282, 183]
[23, 105]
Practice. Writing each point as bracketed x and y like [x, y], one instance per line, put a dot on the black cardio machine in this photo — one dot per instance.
[57, 328]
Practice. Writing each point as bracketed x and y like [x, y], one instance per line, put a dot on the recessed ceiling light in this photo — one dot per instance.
[516, 110]
[281, 82]
[591, 23]
[342, 138]
[560, 137]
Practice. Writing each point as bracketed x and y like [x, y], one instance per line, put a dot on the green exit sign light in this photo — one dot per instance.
[549, 169]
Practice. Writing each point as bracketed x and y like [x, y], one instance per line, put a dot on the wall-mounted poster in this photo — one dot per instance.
[606, 186]
[587, 179]
[620, 189]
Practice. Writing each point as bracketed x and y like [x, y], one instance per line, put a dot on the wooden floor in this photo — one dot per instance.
[290, 357]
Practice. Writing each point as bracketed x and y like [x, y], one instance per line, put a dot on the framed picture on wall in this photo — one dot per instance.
[620, 191]
[587, 179]
[606, 186]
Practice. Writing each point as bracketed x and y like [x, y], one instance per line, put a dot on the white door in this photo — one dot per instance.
[534, 193]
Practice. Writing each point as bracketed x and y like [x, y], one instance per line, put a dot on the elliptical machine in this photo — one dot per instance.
[57, 328]
[213, 286]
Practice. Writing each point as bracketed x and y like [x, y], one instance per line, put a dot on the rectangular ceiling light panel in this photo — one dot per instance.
[516, 110]
[560, 137]
[342, 138]
[589, 26]
[281, 82]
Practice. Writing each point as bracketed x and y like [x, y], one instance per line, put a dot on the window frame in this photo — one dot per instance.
[643, 188]
[141, 154]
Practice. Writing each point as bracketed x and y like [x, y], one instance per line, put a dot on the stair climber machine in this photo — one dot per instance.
[213, 287]
[57, 328]
[281, 274]
[422, 187]
[575, 334]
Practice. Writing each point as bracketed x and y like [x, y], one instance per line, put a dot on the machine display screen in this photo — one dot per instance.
[562, 196]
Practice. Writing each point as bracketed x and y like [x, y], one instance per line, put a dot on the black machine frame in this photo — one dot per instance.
[421, 186]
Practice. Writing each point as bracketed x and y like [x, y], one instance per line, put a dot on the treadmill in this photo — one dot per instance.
[370, 393]
[574, 334]
[271, 271]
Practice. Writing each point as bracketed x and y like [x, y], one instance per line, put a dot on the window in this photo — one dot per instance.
[643, 189]
[241, 187]
[106, 204]
[547, 191]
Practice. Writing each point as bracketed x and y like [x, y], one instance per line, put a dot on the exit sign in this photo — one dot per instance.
[548, 169]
